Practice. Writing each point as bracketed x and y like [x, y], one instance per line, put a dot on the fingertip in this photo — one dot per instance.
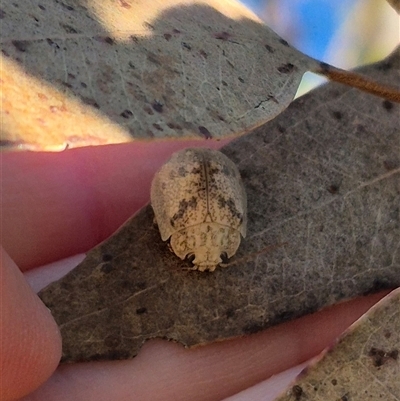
[30, 340]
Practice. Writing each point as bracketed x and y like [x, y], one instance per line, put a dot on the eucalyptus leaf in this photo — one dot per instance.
[77, 73]
[322, 183]
[363, 365]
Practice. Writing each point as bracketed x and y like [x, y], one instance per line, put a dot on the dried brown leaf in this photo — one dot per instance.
[322, 180]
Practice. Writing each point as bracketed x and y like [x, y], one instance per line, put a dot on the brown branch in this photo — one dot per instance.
[358, 81]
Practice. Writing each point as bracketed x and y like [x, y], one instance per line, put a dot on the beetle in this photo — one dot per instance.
[200, 204]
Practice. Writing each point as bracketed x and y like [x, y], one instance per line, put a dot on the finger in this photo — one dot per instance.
[166, 371]
[59, 204]
[30, 339]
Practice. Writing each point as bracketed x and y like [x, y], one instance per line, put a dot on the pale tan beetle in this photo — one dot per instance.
[200, 203]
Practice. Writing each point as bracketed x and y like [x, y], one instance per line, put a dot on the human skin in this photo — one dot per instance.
[55, 205]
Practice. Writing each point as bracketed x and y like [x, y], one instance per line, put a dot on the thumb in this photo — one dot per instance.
[30, 342]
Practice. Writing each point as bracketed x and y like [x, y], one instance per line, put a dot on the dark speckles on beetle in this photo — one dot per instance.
[184, 207]
[182, 171]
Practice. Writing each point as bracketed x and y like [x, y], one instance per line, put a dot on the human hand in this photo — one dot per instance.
[55, 205]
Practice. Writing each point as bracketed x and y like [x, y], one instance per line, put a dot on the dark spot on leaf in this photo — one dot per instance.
[66, 286]
[334, 382]
[385, 66]
[67, 84]
[338, 115]
[112, 341]
[252, 328]
[224, 83]
[378, 285]
[134, 38]
[281, 129]
[5, 53]
[222, 35]
[380, 357]
[297, 392]
[90, 102]
[20, 45]
[2, 13]
[344, 398]
[230, 313]
[106, 268]
[205, 132]
[72, 76]
[142, 285]
[390, 165]
[387, 105]
[153, 58]
[148, 110]
[68, 28]
[66, 6]
[241, 80]
[83, 85]
[149, 26]
[141, 310]
[203, 53]
[157, 106]
[167, 36]
[283, 41]
[124, 4]
[104, 39]
[157, 127]
[186, 46]
[176, 31]
[107, 257]
[388, 334]
[286, 68]
[174, 126]
[269, 48]
[42, 7]
[333, 189]
[126, 114]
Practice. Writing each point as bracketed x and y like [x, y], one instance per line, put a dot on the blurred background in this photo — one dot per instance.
[344, 33]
